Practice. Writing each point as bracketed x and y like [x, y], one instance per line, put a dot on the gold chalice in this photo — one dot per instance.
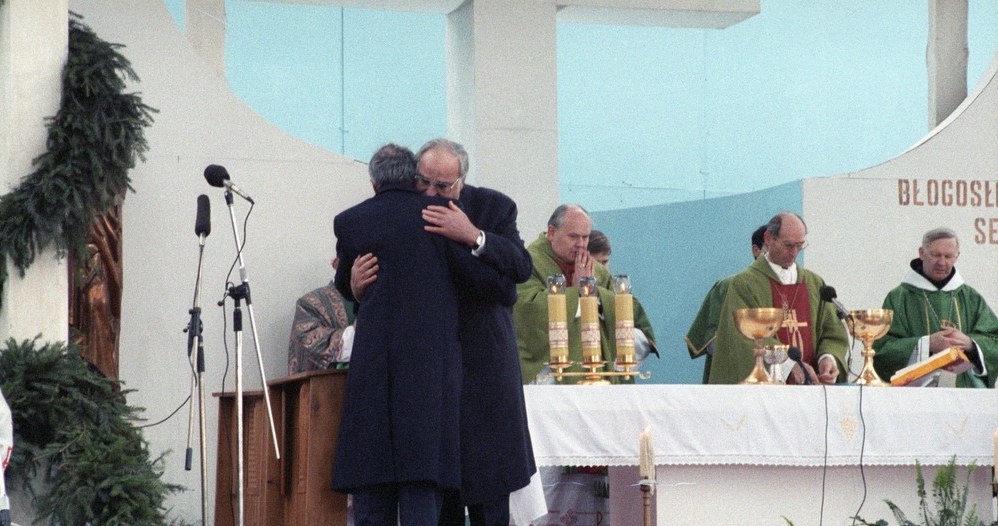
[869, 325]
[758, 324]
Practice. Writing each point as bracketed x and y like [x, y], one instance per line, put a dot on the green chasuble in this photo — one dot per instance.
[702, 335]
[733, 358]
[530, 315]
[919, 308]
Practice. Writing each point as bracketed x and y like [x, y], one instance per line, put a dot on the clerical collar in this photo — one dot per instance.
[916, 265]
[788, 276]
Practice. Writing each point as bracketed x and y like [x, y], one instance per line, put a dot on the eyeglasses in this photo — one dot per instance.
[794, 246]
[441, 186]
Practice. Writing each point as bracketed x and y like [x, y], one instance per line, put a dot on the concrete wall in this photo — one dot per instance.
[298, 189]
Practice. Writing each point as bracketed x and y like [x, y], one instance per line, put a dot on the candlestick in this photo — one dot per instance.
[624, 325]
[589, 305]
[557, 320]
[646, 455]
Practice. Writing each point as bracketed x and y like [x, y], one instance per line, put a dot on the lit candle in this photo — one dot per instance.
[646, 456]
[557, 319]
[624, 327]
[588, 304]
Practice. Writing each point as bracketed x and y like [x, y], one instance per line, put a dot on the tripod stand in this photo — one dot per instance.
[239, 293]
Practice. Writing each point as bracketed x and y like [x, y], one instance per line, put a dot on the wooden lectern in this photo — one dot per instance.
[295, 490]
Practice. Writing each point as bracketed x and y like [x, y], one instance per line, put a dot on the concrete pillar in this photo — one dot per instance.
[946, 58]
[33, 50]
[502, 100]
[205, 23]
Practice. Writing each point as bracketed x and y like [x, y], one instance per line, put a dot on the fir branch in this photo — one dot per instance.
[94, 139]
[72, 425]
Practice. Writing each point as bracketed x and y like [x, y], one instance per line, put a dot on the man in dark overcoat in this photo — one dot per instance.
[399, 438]
[496, 454]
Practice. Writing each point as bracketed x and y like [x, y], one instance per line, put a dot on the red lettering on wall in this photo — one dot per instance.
[961, 193]
[904, 195]
[932, 192]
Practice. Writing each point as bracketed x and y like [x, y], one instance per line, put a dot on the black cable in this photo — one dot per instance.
[169, 416]
[824, 463]
[862, 448]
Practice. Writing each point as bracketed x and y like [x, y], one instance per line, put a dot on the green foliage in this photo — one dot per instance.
[94, 139]
[950, 502]
[73, 427]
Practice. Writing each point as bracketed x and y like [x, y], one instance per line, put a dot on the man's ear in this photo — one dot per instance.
[550, 232]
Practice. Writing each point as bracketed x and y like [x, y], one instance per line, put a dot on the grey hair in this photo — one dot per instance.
[450, 146]
[392, 164]
[558, 217]
[939, 233]
[776, 222]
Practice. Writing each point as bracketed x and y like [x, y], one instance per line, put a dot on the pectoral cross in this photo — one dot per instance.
[793, 326]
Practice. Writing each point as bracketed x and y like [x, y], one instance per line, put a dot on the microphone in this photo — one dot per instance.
[794, 354]
[218, 176]
[202, 224]
[828, 294]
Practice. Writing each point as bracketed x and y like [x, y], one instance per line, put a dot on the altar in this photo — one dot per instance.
[731, 454]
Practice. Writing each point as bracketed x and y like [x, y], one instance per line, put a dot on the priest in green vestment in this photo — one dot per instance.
[702, 335]
[776, 280]
[934, 309]
[563, 249]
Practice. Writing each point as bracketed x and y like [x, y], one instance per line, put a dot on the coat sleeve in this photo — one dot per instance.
[504, 250]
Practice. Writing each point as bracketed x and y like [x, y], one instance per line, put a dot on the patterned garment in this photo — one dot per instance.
[316, 341]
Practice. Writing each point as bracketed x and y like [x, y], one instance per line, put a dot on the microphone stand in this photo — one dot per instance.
[239, 293]
[194, 332]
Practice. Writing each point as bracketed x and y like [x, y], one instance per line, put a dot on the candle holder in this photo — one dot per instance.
[592, 357]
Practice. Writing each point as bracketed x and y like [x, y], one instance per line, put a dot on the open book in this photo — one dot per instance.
[953, 356]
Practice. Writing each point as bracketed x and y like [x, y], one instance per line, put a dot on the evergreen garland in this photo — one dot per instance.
[93, 141]
[71, 423]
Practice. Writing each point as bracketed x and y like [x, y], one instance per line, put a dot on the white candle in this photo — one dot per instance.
[646, 456]
[995, 470]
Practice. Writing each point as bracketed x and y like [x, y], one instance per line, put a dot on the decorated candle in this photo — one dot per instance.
[589, 305]
[557, 316]
[624, 313]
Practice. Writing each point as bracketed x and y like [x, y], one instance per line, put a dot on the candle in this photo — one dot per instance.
[995, 470]
[557, 319]
[646, 455]
[624, 312]
[588, 304]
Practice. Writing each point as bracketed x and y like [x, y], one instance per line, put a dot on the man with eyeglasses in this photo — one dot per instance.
[399, 442]
[496, 454]
[810, 324]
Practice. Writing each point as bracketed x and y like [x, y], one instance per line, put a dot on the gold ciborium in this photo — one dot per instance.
[758, 324]
[869, 325]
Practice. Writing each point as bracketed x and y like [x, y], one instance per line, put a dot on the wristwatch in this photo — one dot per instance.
[479, 241]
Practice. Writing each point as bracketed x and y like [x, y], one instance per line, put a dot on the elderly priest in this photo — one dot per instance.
[776, 280]
[934, 310]
[563, 249]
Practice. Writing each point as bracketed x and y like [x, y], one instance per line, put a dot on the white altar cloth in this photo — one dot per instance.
[762, 425]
